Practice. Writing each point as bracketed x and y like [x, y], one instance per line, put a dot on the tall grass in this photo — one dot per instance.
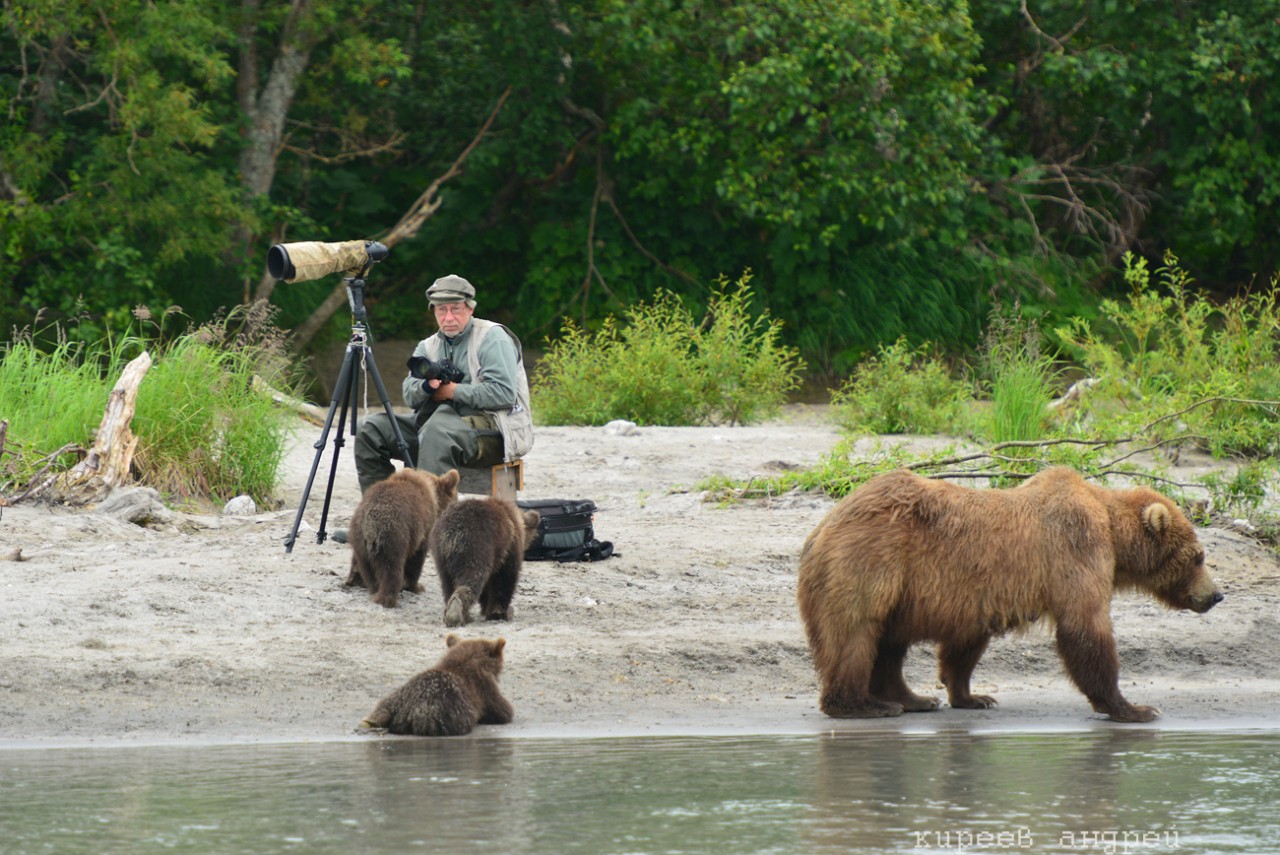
[204, 431]
[51, 399]
[1020, 378]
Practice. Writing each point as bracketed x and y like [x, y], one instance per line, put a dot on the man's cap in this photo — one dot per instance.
[451, 289]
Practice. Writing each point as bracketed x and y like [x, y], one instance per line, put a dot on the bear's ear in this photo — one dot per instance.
[451, 639]
[498, 644]
[449, 480]
[1155, 517]
[532, 518]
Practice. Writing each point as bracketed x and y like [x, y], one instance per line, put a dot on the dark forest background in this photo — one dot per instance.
[884, 168]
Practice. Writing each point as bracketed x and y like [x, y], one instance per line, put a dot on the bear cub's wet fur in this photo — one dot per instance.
[478, 547]
[450, 699]
[389, 531]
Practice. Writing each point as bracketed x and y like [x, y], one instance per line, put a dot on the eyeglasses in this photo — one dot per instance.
[454, 309]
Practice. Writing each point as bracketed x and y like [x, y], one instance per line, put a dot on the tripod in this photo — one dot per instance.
[346, 390]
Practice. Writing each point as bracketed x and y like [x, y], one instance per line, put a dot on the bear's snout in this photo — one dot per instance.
[1202, 604]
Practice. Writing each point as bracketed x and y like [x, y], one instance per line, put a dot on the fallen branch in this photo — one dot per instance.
[110, 459]
[310, 412]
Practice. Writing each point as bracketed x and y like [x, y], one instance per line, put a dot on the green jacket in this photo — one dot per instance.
[494, 380]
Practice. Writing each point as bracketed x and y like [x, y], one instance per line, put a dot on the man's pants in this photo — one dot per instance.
[445, 441]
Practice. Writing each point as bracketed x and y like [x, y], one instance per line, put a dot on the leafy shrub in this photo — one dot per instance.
[1169, 367]
[660, 366]
[1169, 361]
[902, 389]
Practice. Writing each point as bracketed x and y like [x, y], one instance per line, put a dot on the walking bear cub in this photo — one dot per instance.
[478, 547]
[906, 559]
[450, 699]
[389, 531]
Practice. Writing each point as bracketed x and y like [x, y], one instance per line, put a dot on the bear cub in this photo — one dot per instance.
[478, 547]
[389, 531]
[450, 699]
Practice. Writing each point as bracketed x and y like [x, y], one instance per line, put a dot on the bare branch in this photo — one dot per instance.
[350, 154]
[427, 204]
[422, 208]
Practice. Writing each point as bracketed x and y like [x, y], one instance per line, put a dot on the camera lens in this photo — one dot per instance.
[278, 263]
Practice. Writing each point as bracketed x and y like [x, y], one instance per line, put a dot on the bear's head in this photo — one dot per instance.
[532, 519]
[1165, 557]
[482, 653]
[443, 487]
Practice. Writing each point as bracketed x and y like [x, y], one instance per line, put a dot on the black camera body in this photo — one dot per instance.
[441, 369]
[422, 368]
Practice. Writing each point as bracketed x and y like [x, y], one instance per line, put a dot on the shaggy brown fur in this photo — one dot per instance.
[906, 559]
[478, 548]
[450, 699]
[389, 530]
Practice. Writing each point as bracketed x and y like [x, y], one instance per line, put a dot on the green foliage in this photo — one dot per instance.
[886, 168]
[660, 366]
[743, 369]
[205, 429]
[1168, 351]
[52, 399]
[877, 96]
[1019, 377]
[902, 389]
[1168, 369]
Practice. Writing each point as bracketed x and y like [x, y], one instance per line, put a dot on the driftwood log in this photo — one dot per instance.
[109, 461]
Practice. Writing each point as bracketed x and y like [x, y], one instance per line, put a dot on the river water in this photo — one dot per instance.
[1111, 790]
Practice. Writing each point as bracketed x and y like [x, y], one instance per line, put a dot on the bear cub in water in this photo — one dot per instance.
[450, 699]
[389, 531]
[478, 547]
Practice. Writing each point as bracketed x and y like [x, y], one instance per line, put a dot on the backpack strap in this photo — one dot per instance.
[592, 550]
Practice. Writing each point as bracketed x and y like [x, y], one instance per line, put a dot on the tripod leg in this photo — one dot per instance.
[386, 405]
[339, 393]
[352, 383]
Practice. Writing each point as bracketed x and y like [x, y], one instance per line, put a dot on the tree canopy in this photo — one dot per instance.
[884, 168]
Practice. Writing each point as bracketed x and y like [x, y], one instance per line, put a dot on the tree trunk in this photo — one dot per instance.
[108, 463]
[268, 109]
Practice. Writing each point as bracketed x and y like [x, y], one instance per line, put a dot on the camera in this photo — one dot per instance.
[442, 370]
[300, 262]
[425, 369]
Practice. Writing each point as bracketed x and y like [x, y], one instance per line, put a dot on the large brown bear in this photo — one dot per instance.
[906, 559]
[478, 548]
[450, 699]
[389, 530]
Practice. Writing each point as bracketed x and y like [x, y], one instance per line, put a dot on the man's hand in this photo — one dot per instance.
[444, 392]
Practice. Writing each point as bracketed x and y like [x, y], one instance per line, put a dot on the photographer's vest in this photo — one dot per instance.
[515, 424]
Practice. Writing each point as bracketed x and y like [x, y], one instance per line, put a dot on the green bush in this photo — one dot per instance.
[1170, 368]
[1167, 351]
[661, 367]
[902, 389]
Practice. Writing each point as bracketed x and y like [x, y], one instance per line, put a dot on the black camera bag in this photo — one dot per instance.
[566, 532]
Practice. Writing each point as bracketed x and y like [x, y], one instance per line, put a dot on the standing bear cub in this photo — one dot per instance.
[450, 699]
[389, 530]
[478, 548]
[906, 559]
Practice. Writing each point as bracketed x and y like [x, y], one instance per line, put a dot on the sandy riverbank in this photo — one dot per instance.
[205, 630]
